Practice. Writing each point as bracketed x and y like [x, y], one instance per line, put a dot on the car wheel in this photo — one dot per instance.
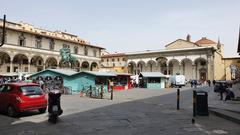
[42, 110]
[11, 111]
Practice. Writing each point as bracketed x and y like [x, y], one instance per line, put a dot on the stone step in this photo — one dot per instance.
[226, 114]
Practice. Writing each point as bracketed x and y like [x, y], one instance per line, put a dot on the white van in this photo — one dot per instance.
[177, 81]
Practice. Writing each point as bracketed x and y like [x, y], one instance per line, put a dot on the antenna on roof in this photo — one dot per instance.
[3, 31]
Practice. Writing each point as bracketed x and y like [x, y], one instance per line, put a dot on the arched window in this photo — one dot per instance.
[22, 40]
[75, 49]
[85, 51]
[51, 44]
[38, 42]
[95, 53]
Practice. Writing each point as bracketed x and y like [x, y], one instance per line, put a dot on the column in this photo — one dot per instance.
[11, 66]
[193, 71]
[29, 66]
[180, 68]
[167, 68]
[44, 66]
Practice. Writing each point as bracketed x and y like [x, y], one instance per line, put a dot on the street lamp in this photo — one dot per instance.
[4, 30]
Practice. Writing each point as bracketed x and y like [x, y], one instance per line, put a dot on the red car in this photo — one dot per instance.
[18, 97]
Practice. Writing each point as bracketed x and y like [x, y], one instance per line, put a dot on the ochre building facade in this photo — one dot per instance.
[30, 49]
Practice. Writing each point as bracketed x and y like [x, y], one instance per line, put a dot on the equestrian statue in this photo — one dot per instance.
[67, 58]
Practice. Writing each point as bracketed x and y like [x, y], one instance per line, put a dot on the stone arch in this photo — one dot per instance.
[85, 65]
[141, 66]
[162, 64]
[151, 65]
[51, 62]
[201, 69]
[4, 58]
[186, 67]
[94, 66]
[132, 67]
[37, 62]
[20, 63]
[174, 66]
[5, 61]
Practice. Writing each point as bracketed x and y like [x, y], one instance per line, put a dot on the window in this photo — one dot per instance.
[113, 60]
[22, 40]
[95, 53]
[66, 46]
[38, 42]
[75, 50]
[51, 44]
[203, 63]
[107, 60]
[123, 59]
[85, 51]
[1, 34]
[8, 69]
[118, 59]
[102, 60]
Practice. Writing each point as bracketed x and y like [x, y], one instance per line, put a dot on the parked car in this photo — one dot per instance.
[219, 84]
[18, 97]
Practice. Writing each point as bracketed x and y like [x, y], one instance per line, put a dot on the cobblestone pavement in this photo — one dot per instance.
[132, 112]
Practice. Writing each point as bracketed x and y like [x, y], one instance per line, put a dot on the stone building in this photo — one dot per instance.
[31, 49]
[201, 60]
[232, 68]
[114, 62]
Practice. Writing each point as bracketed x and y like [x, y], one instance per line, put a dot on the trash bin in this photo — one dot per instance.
[202, 103]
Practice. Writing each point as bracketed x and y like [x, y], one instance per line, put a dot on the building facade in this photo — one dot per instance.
[232, 68]
[114, 62]
[31, 49]
[200, 60]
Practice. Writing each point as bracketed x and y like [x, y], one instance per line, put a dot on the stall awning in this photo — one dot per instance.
[95, 73]
[152, 74]
[59, 71]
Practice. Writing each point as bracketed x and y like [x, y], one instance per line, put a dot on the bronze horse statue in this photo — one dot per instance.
[67, 57]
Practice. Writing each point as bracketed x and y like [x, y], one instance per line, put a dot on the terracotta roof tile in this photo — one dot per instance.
[204, 40]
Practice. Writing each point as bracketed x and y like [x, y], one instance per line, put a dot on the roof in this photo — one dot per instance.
[181, 40]
[80, 41]
[204, 40]
[113, 55]
[66, 72]
[123, 74]
[95, 73]
[152, 74]
[23, 84]
[169, 50]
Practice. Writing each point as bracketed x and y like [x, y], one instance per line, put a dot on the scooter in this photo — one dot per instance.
[54, 107]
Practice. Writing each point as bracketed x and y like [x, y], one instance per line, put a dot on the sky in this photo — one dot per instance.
[133, 25]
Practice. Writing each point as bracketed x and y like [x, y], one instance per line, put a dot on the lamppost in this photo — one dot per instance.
[4, 30]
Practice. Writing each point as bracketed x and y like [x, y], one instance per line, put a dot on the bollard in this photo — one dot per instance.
[194, 103]
[111, 92]
[101, 93]
[90, 94]
[178, 98]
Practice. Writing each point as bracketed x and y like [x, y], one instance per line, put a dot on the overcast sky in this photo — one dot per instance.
[133, 25]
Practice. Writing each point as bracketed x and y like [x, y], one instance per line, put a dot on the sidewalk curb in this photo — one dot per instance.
[228, 115]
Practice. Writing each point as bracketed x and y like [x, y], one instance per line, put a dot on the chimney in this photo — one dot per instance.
[188, 38]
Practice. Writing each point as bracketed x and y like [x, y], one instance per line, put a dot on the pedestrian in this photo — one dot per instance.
[222, 89]
[214, 82]
[229, 94]
[209, 83]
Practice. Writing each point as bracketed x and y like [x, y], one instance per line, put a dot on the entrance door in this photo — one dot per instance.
[203, 77]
